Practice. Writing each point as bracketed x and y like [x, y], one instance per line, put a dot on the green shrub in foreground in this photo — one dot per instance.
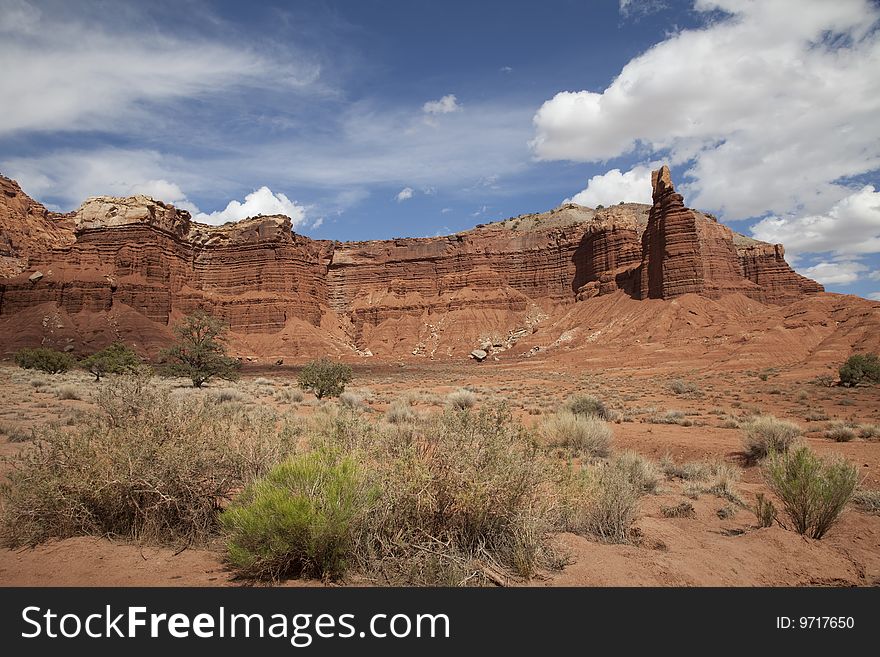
[45, 360]
[813, 491]
[299, 520]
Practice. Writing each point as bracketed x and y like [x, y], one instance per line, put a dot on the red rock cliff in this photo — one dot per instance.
[150, 260]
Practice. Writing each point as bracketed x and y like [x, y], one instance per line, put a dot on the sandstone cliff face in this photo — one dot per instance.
[26, 228]
[139, 257]
[687, 252]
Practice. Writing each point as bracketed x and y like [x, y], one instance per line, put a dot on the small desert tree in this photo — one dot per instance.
[324, 377]
[200, 352]
[859, 368]
[115, 359]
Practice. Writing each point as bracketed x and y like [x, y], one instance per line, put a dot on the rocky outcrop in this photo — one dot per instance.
[687, 252]
[26, 228]
[144, 258]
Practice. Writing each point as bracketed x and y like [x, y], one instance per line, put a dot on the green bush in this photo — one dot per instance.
[765, 434]
[587, 405]
[45, 360]
[860, 368]
[200, 352]
[324, 377]
[115, 359]
[299, 520]
[682, 387]
[764, 510]
[813, 491]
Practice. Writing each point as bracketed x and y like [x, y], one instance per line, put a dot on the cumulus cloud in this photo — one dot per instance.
[612, 187]
[262, 201]
[638, 8]
[874, 296]
[850, 227]
[445, 105]
[767, 107]
[163, 190]
[405, 194]
[836, 273]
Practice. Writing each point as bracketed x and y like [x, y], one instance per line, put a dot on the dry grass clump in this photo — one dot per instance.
[765, 434]
[68, 392]
[14, 433]
[867, 500]
[400, 412]
[229, 395]
[715, 477]
[290, 395]
[587, 405]
[840, 433]
[683, 509]
[644, 474]
[146, 468]
[600, 501]
[351, 400]
[869, 431]
[461, 399]
[682, 387]
[584, 434]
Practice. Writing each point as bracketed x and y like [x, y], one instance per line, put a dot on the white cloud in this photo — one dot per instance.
[404, 194]
[768, 106]
[874, 296]
[836, 273]
[612, 187]
[318, 223]
[84, 68]
[445, 210]
[168, 192]
[875, 275]
[850, 227]
[506, 69]
[445, 105]
[261, 201]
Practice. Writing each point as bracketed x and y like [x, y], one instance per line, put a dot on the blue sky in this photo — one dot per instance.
[369, 120]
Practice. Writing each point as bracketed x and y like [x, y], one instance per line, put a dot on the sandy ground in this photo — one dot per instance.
[704, 550]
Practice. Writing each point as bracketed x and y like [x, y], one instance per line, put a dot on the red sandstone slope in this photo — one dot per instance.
[126, 268]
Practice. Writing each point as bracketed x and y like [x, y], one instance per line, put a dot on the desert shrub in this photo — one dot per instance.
[644, 474]
[824, 380]
[689, 471]
[115, 359]
[14, 433]
[44, 359]
[840, 433]
[869, 431]
[765, 433]
[813, 491]
[290, 395]
[726, 512]
[324, 377]
[765, 511]
[400, 412]
[585, 434]
[351, 400]
[229, 395]
[462, 399]
[611, 506]
[200, 350]
[263, 381]
[715, 477]
[68, 392]
[300, 519]
[682, 387]
[860, 368]
[867, 500]
[158, 472]
[461, 496]
[681, 510]
[586, 405]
